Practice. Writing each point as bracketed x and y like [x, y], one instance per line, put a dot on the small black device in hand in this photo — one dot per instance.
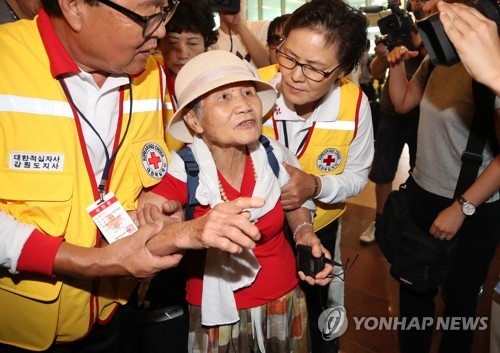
[309, 264]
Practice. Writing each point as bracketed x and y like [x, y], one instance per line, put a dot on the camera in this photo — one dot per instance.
[226, 6]
[396, 27]
[440, 49]
[309, 264]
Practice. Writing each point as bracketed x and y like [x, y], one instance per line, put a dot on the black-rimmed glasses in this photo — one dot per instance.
[149, 23]
[309, 71]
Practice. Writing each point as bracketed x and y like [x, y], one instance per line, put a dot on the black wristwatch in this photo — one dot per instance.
[468, 208]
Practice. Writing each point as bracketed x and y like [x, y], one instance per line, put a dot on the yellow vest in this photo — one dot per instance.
[44, 182]
[326, 151]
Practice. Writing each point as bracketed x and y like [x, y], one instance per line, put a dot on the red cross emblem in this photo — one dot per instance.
[154, 160]
[277, 111]
[329, 160]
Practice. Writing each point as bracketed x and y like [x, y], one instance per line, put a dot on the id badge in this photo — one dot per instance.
[111, 218]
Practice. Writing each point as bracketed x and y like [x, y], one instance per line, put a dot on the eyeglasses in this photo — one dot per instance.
[149, 23]
[309, 71]
[274, 41]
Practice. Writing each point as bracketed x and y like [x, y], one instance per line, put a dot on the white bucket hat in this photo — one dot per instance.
[206, 72]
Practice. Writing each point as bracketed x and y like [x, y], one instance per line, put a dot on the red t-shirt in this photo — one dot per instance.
[278, 274]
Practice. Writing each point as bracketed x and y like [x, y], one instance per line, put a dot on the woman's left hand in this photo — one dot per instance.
[309, 238]
[298, 190]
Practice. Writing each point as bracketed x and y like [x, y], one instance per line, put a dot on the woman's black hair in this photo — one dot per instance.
[276, 23]
[340, 23]
[194, 16]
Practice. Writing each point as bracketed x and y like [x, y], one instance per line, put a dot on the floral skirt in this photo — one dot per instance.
[284, 329]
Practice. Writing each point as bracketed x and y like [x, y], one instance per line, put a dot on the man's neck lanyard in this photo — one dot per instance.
[109, 159]
[303, 144]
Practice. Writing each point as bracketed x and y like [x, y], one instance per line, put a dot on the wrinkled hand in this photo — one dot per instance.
[447, 223]
[309, 238]
[298, 190]
[400, 54]
[227, 226]
[133, 258]
[475, 38]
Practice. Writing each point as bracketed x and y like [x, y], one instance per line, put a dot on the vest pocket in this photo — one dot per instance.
[41, 199]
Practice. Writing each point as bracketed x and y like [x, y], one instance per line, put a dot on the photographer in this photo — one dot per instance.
[447, 107]
[476, 40]
[394, 130]
[243, 38]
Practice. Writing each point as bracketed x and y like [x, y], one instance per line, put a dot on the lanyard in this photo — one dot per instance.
[301, 149]
[109, 159]
[171, 89]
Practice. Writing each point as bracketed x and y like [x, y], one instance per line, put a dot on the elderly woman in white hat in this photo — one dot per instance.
[250, 301]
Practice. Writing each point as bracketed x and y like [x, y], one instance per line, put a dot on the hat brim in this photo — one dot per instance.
[177, 126]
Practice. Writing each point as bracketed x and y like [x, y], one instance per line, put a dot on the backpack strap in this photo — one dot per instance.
[482, 125]
[193, 180]
[273, 162]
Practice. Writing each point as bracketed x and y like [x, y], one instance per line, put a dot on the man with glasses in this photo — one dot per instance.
[81, 134]
[326, 121]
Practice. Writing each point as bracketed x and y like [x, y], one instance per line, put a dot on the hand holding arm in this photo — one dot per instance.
[300, 188]
[128, 256]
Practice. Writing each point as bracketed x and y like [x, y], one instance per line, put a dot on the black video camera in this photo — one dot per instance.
[396, 27]
[225, 6]
[440, 49]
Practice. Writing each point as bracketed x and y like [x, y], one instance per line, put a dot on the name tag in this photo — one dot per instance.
[49, 162]
[111, 218]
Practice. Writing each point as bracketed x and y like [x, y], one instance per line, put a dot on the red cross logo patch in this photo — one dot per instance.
[329, 160]
[154, 160]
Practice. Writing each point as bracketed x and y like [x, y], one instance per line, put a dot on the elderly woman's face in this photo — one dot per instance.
[231, 115]
[307, 47]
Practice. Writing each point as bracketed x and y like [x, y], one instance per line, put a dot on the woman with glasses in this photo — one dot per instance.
[326, 121]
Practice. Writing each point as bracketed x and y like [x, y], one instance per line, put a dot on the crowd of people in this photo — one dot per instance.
[156, 202]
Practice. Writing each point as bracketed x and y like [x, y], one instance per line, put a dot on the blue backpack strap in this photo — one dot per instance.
[192, 171]
[273, 162]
